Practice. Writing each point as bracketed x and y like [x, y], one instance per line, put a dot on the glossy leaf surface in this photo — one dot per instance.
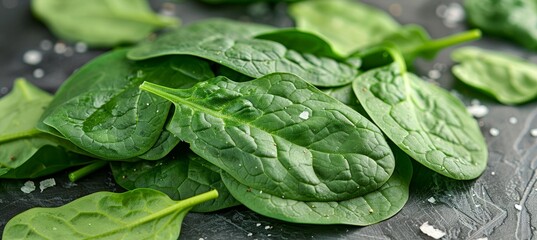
[231, 44]
[102, 23]
[106, 114]
[425, 121]
[347, 25]
[137, 214]
[511, 80]
[180, 177]
[365, 210]
[281, 135]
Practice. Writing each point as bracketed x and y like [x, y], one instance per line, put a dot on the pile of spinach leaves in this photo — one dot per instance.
[289, 122]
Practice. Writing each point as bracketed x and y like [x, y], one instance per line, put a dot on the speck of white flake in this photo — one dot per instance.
[494, 132]
[493, 173]
[258, 225]
[39, 73]
[46, 184]
[81, 47]
[32, 57]
[431, 231]
[268, 235]
[201, 239]
[60, 48]
[533, 132]
[250, 234]
[268, 227]
[432, 200]
[483, 238]
[513, 120]
[518, 207]
[434, 74]
[45, 45]
[304, 115]
[478, 205]
[450, 14]
[28, 187]
[477, 110]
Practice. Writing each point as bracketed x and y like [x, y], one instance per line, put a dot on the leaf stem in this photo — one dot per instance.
[448, 41]
[86, 170]
[18, 135]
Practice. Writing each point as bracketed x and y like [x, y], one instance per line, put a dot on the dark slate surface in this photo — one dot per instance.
[465, 210]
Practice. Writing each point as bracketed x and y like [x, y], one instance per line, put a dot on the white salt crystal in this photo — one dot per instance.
[28, 187]
[518, 207]
[513, 120]
[32, 57]
[431, 231]
[494, 132]
[47, 183]
[39, 73]
[431, 200]
[478, 110]
[533, 132]
[304, 115]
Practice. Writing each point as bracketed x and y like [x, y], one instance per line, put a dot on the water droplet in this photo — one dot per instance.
[477, 110]
[54, 228]
[39, 73]
[533, 132]
[32, 57]
[494, 132]
[493, 173]
[81, 47]
[258, 224]
[518, 207]
[304, 115]
[434, 74]
[513, 120]
[45, 45]
[250, 234]
[60, 48]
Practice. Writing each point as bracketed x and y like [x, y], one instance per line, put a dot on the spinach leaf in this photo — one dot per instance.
[164, 145]
[301, 41]
[102, 23]
[511, 80]
[281, 135]
[26, 152]
[180, 176]
[512, 19]
[137, 214]
[347, 25]
[425, 121]
[102, 110]
[364, 210]
[231, 44]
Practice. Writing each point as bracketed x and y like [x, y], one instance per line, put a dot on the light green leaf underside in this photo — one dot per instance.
[231, 44]
[425, 121]
[102, 23]
[180, 175]
[509, 79]
[347, 25]
[106, 114]
[368, 209]
[137, 214]
[281, 135]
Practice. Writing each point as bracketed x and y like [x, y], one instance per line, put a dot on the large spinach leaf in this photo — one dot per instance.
[347, 25]
[26, 152]
[512, 19]
[511, 80]
[281, 135]
[100, 22]
[425, 121]
[102, 110]
[137, 214]
[231, 44]
[364, 210]
[180, 175]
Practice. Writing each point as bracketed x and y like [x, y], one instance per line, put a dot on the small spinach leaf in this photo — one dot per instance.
[26, 152]
[102, 23]
[164, 145]
[137, 214]
[425, 121]
[512, 19]
[364, 210]
[281, 135]
[511, 80]
[181, 176]
[347, 25]
[104, 112]
[231, 44]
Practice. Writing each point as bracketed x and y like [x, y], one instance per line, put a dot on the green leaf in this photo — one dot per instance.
[281, 135]
[368, 209]
[425, 121]
[24, 151]
[180, 177]
[102, 23]
[347, 25]
[233, 45]
[511, 19]
[164, 145]
[102, 110]
[509, 79]
[137, 214]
